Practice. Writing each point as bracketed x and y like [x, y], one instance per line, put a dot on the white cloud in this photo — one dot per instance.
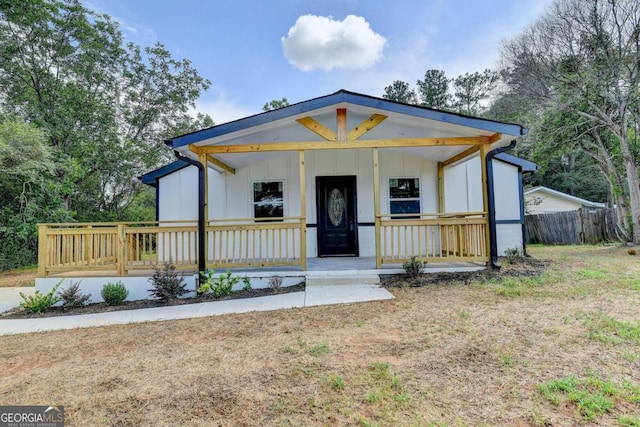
[319, 42]
[222, 109]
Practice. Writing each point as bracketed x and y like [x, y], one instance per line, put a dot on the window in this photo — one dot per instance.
[404, 196]
[268, 201]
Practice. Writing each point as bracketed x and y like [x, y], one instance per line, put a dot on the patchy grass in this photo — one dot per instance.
[591, 396]
[553, 348]
[19, 277]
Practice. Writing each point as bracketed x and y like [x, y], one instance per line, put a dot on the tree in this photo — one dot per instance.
[105, 107]
[400, 91]
[581, 59]
[26, 194]
[434, 89]
[470, 90]
[275, 104]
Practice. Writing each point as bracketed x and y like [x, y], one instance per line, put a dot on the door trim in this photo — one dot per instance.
[354, 202]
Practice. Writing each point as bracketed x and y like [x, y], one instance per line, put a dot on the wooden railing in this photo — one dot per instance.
[132, 246]
[433, 237]
[253, 242]
[116, 246]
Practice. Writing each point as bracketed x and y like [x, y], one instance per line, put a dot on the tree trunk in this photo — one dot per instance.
[634, 187]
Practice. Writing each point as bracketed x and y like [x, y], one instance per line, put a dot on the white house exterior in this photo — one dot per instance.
[230, 195]
[542, 200]
[342, 175]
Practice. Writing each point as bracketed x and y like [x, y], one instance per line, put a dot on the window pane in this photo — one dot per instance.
[405, 206]
[268, 199]
[404, 188]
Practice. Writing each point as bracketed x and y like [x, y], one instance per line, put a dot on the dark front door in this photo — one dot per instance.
[337, 222]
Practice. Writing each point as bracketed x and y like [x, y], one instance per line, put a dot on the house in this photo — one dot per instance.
[176, 179]
[541, 200]
[343, 175]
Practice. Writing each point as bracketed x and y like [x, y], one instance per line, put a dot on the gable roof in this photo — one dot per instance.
[151, 178]
[547, 190]
[355, 99]
[525, 165]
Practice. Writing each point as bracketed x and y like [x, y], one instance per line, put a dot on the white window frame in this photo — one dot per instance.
[408, 199]
[253, 202]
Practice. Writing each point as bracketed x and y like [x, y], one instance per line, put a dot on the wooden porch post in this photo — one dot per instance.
[484, 149]
[303, 213]
[376, 206]
[202, 158]
[121, 249]
[42, 250]
[440, 187]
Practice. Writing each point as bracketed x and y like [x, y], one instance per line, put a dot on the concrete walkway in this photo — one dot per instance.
[312, 296]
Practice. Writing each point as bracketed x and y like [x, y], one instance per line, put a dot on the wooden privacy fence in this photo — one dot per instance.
[454, 237]
[573, 227]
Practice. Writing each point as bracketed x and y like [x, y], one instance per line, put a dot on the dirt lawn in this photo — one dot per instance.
[560, 348]
[19, 277]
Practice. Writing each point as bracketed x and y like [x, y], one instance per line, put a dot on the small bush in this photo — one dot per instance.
[166, 284]
[414, 267]
[114, 293]
[72, 297]
[512, 254]
[275, 283]
[222, 285]
[37, 303]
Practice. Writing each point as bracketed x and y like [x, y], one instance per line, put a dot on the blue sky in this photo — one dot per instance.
[256, 51]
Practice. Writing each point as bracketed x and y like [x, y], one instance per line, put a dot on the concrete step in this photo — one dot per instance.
[328, 280]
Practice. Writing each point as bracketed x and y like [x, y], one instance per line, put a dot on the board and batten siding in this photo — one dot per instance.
[231, 196]
[463, 193]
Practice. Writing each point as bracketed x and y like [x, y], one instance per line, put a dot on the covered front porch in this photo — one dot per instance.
[118, 249]
[344, 175]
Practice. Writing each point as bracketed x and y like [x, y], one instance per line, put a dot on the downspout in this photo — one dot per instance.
[493, 240]
[202, 235]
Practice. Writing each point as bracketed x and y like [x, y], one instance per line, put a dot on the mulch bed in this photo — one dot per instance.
[522, 267]
[20, 313]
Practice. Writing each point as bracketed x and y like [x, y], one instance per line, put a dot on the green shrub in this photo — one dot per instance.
[221, 285]
[72, 297]
[512, 254]
[114, 293]
[37, 303]
[166, 284]
[414, 267]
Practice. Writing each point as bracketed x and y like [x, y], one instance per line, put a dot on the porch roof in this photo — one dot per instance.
[151, 178]
[400, 122]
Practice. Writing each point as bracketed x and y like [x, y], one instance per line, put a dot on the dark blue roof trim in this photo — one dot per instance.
[151, 178]
[352, 98]
[526, 165]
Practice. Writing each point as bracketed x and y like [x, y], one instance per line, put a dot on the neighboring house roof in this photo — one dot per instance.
[583, 202]
[526, 165]
[151, 178]
[354, 99]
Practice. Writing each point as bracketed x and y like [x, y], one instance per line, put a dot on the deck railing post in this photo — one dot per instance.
[121, 250]
[42, 250]
[303, 213]
[376, 206]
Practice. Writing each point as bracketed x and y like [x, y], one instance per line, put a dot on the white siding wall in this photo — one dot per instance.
[463, 193]
[178, 195]
[507, 190]
[231, 196]
[507, 199]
